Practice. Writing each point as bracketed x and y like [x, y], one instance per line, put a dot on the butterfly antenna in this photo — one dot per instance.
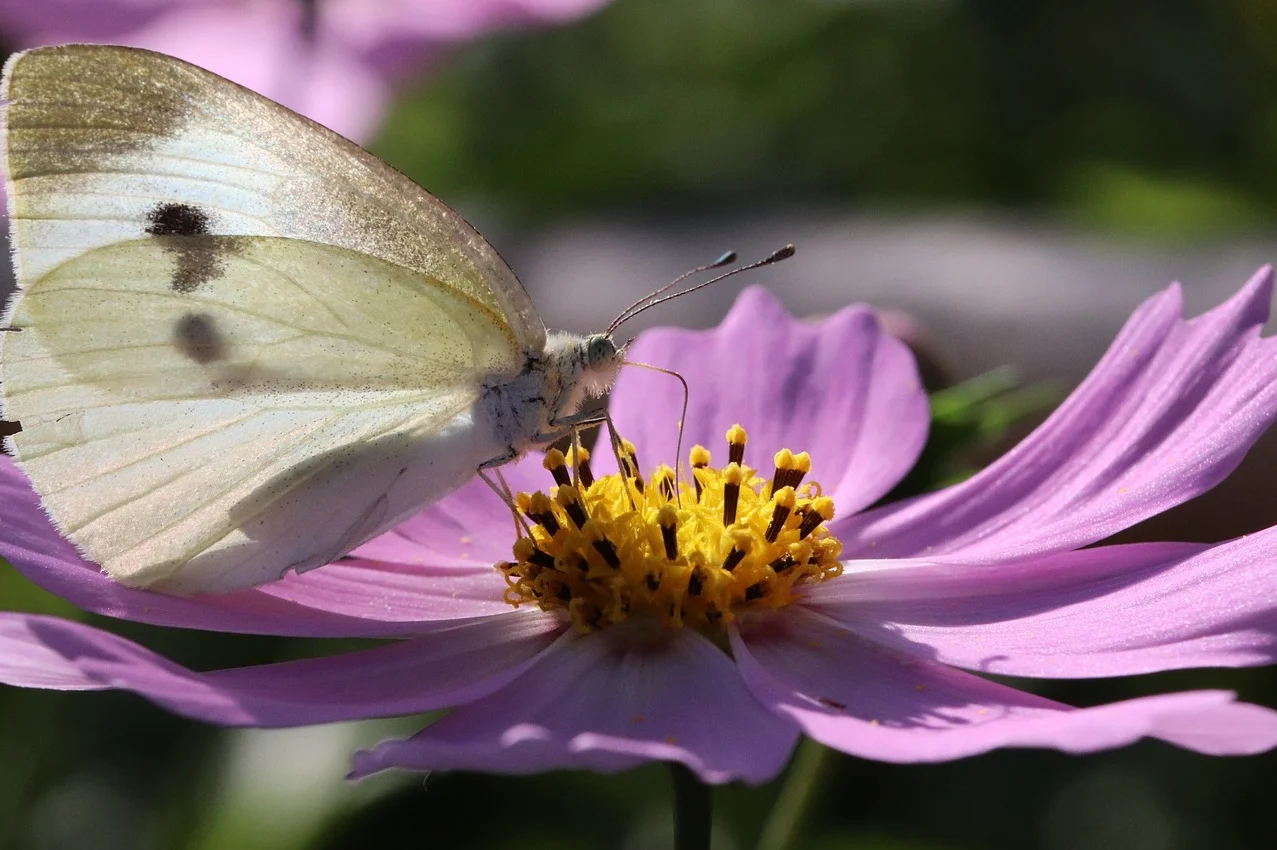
[729, 257]
[775, 257]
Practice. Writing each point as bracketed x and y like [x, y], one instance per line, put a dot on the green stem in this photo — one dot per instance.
[692, 810]
[797, 796]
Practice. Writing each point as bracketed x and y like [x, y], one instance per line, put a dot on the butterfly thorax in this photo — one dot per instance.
[536, 406]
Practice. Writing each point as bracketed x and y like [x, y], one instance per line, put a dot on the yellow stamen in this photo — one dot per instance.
[785, 501]
[667, 519]
[700, 459]
[579, 457]
[663, 478]
[629, 463]
[733, 478]
[606, 551]
[569, 498]
[558, 466]
[736, 439]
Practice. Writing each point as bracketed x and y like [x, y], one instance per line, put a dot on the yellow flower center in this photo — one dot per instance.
[603, 550]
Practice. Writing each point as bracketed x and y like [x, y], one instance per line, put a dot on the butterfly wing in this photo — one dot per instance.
[100, 138]
[241, 344]
[299, 401]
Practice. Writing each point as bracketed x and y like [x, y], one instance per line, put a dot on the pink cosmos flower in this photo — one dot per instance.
[339, 74]
[879, 657]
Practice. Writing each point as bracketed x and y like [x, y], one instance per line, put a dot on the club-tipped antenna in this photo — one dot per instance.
[728, 257]
[651, 301]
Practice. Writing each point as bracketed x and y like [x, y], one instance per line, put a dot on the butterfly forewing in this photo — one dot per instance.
[108, 144]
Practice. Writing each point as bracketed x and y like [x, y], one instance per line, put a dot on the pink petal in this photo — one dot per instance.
[605, 703]
[470, 527]
[1110, 611]
[438, 565]
[873, 702]
[261, 46]
[340, 83]
[53, 21]
[333, 601]
[388, 593]
[1166, 415]
[840, 389]
[452, 665]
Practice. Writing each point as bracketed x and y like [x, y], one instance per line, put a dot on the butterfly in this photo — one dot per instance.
[242, 345]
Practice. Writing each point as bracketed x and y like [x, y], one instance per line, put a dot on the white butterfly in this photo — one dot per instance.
[241, 344]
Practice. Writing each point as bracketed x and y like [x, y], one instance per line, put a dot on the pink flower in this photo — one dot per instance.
[881, 661]
[338, 75]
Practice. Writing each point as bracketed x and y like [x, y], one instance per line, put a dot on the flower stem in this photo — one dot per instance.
[692, 809]
[797, 796]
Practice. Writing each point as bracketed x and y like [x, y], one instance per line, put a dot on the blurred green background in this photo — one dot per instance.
[1145, 116]
[1146, 123]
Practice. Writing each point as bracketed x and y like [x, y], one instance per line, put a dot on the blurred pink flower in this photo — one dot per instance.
[882, 661]
[339, 74]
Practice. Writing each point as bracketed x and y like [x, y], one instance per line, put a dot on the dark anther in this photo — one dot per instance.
[779, 514]
[667, 488]
[630, 464]
[754, 591]
[731, 496]
[607, 549]
[694, 584]
[669, 535]
[571, 502]
[811, 521]
[560, 474]
[541, 558]
[576, 513]
[700, 458]
[548, 522]
[734, 557]
[784, 562]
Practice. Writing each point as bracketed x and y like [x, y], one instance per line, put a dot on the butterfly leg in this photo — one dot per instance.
[568, 426]
[500, 460]
[505, 494]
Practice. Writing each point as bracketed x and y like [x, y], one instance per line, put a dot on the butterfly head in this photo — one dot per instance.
[598, 359]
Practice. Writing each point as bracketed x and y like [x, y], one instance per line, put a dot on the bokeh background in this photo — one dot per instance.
[1009, 179]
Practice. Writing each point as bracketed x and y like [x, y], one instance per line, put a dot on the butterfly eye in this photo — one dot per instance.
[599, 350]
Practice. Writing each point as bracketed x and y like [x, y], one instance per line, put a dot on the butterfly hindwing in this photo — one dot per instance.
[270, 412]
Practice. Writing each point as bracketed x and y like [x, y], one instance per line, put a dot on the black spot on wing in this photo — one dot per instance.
[185, 231]
[177, 220]
[9, 428]
[196, 336]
